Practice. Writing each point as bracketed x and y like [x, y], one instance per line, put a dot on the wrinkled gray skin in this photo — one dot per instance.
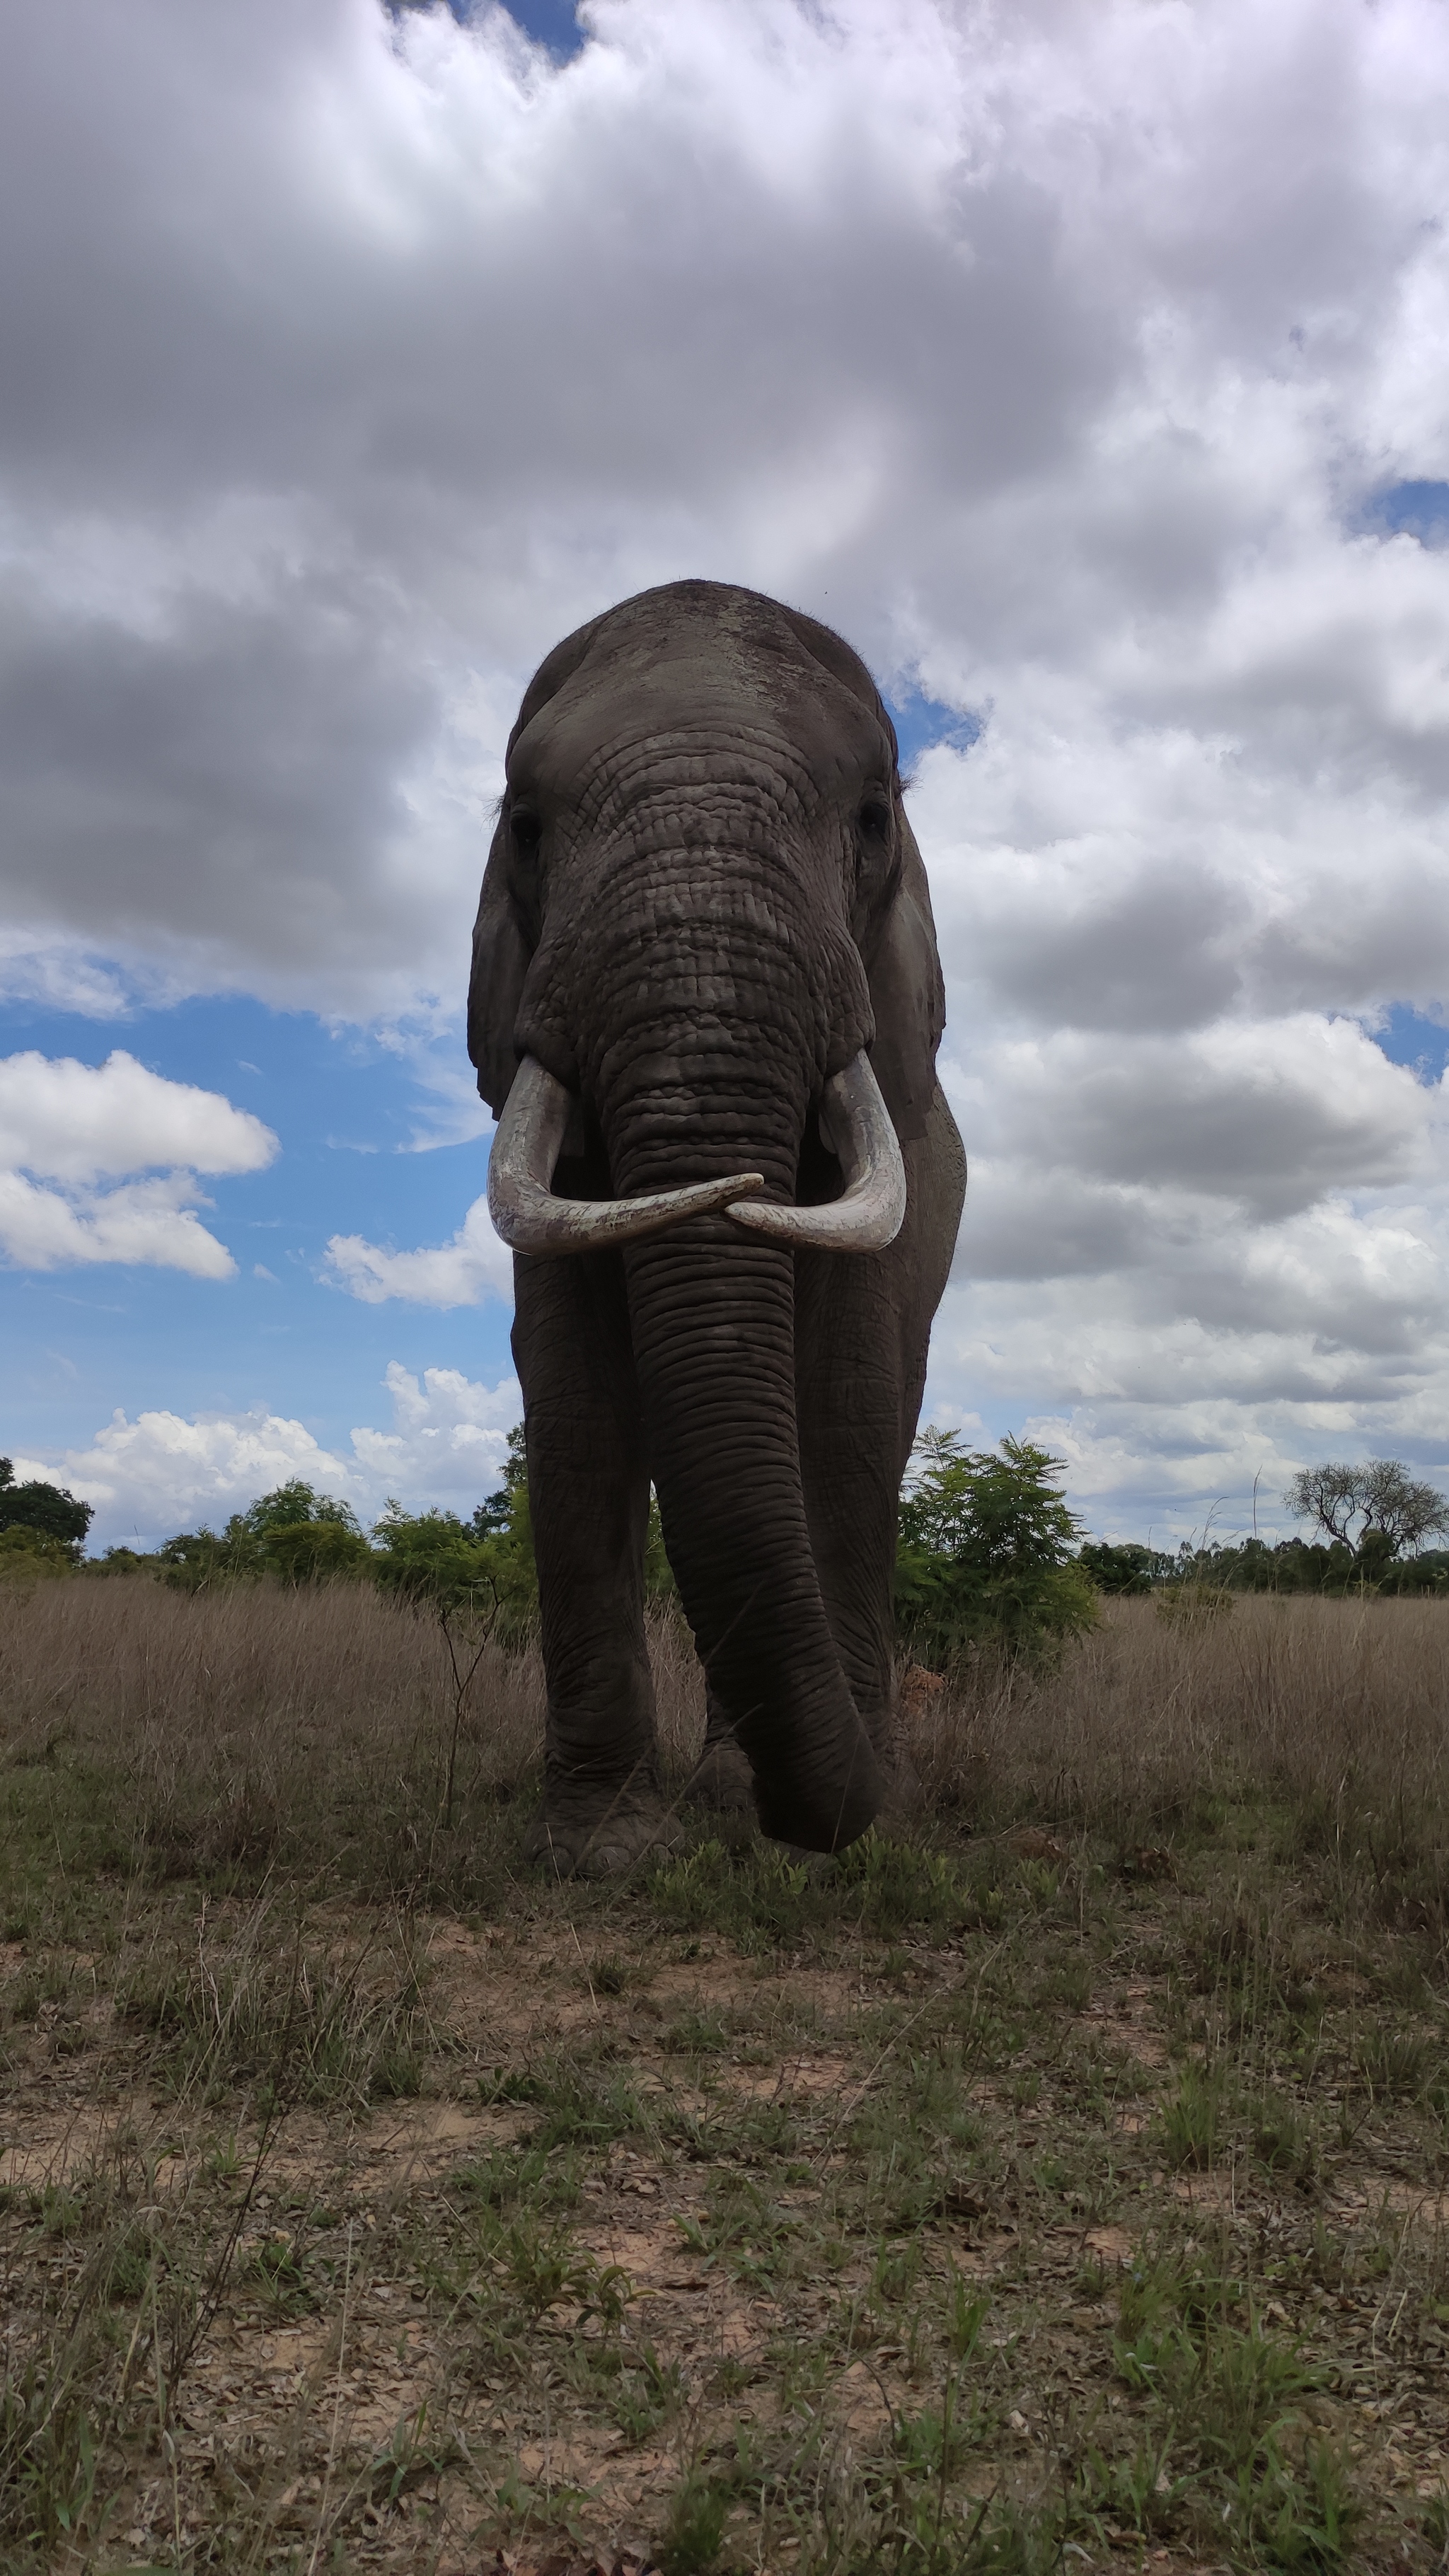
[702, 898]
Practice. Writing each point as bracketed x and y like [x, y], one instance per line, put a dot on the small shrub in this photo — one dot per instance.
[695, 2531]
[986, 1555]
[1191, 2124]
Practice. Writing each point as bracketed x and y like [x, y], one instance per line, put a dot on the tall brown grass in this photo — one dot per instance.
[313, 1728]
[1337, 1711]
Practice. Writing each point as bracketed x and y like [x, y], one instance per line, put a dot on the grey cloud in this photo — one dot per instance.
[1272, 1117]
[480, 345]
[225, 794]
[1274, 1147]
[1029, 1224]
[1165, 1257]
[1392, 943]
[866, 320]
[1156, 953]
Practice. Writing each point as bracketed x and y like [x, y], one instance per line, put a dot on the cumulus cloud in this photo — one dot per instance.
[66, 1128]
[449, 1437]
[473, 1266]
[1069, 361]
[162, 1472]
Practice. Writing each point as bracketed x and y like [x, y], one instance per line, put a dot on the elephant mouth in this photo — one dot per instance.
[866, 1217]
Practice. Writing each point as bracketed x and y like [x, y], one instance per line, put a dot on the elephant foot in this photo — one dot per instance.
[602, 1845]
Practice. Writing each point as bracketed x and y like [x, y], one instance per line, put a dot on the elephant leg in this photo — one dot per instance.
[722, 1779]
[862, 1338]
[849, 1389]
[588, 1489]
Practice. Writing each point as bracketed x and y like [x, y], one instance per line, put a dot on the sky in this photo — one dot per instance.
[1084, 367]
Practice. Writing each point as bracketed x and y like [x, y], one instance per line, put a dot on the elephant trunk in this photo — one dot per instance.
[713, 1330]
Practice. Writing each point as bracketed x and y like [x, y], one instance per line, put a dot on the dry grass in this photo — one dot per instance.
[1065, 2177]
[1338, 1710]
[259, 1726]
[304, 1729]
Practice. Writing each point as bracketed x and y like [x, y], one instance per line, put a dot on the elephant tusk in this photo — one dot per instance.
[520, 1181]
[871, 1208]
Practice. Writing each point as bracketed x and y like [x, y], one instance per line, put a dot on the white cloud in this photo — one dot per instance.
[162, 1472]
[449, 1437]
[473, 1266]
[66, 1127]
[78, 1122]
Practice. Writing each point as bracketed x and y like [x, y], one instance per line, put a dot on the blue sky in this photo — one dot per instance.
[1085, 370]
[347, 1112]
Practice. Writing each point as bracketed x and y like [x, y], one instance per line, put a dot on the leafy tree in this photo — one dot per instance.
[1428, 1572]
[659, 1582]
[495, 1515]
[986, 1553]
[122, 1560]
[290, 1506]
[1392, 1509]
[304, 1551]
[429, 1556]
[293, 1532]
[52, 1510]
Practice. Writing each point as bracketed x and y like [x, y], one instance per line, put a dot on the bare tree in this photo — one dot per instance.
[1381, 1496]
[1404, 1512]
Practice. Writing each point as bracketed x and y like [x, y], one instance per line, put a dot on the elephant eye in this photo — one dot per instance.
[875, 819]
[527, 831]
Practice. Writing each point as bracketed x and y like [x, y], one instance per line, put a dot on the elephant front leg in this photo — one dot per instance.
[860, 1367]
[588, 1488]
[722, 1779]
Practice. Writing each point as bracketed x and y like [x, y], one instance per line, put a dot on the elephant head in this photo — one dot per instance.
[705, 1005]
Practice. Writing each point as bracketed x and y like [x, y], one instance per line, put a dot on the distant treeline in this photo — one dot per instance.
[989, 1554]
[1252, 1565]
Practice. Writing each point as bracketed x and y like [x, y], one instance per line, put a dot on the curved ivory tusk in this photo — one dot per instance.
[520, 1177]
[871, 1208]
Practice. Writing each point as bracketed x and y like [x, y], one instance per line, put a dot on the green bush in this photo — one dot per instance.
[485, 1565]
[294, 1533]
[31, 1553]
[986, 1554]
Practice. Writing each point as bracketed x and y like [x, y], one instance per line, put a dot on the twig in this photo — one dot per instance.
[336, 2411]
[462, 1684]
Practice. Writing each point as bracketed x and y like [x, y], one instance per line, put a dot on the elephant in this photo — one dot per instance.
[705, 1007]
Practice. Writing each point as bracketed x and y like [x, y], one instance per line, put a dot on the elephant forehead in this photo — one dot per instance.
[609, 738]
[603, 758]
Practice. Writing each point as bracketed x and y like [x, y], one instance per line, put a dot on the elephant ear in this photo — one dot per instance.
[495, 987]
[908, 997]
[501, 950]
